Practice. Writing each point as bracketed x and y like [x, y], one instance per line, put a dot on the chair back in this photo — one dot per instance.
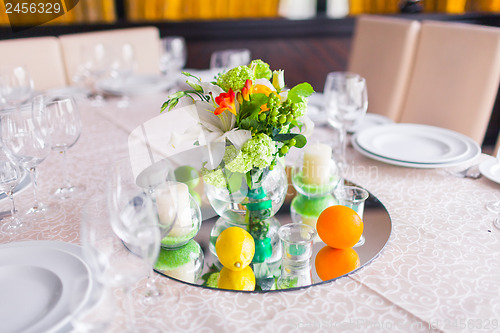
[41, 56]
[382, 51]
[455, 77]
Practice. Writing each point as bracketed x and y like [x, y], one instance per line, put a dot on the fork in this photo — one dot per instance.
[471, 172]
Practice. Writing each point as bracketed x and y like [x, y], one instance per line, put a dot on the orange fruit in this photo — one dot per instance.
[339, 227]
[331, 263]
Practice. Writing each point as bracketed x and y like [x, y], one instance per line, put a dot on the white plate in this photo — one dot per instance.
[413, 143]
[30, 292]
[61, 266]
[370, 120]
[135, 85]
[491, 170]
[474, 151]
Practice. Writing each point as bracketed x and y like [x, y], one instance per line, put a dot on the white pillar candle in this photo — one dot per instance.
[173, 202]
[316, 164]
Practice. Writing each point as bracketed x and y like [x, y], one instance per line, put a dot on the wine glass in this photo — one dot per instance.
[137, 217]
[111, 264]
[227, 59]
[24, 135]
[16, 85]
[95, 59]
[63, 128]
[173, 54]
[10, 176]
[123, 64]
[346, 102]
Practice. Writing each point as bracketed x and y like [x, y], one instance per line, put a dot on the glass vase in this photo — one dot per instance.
[250, 201]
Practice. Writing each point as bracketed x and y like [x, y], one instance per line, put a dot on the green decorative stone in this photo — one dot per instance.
[173, 241]
[263, 250]
[313, 189]
[312, 207]
[172, 259]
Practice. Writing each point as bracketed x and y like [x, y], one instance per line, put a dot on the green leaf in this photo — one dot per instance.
[301, 91]
[300, 140]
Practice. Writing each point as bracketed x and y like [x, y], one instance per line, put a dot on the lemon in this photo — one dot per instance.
[235, 248]
[237, 280]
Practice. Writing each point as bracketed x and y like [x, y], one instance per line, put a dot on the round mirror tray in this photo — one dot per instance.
[377, 230]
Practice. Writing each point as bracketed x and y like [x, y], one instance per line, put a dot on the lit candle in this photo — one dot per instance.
[173, 203]
[316, 164]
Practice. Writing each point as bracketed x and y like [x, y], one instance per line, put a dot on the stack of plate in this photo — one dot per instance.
[416, 146]
[38, 285]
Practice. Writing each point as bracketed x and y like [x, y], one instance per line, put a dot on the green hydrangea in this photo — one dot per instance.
[259, 151]
[235, 78]
[237, 161]
[214, 177]
[261, 69]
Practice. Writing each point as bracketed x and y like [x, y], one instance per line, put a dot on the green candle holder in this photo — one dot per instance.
[307, 209]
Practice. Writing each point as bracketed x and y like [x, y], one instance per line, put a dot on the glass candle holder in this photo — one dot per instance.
[297, 243]
[315, 173]
[353, 197]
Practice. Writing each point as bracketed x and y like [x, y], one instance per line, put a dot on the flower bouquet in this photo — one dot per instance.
[256, 120]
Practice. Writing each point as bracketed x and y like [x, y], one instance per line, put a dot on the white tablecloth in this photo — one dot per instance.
[440, 269]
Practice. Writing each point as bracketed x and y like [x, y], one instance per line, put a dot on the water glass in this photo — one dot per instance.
[346, 102]
[24, 135]
[96, 63]
[173, 54]
[10, 176]
[353, 197]
[64, 127]
[297, 240]
[123, 65]
[227, 59]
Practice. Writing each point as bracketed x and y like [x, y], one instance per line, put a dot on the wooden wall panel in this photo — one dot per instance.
[303, 59]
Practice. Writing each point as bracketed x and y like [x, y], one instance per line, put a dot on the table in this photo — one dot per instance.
[439, 271]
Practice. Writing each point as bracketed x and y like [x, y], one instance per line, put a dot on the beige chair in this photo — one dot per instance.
[41, 56]
[455, 77]
[145, 41]
[382, 51]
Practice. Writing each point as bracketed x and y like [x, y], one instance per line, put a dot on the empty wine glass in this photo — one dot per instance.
[123, 65]
[63, 130]
[24, 135]
[16, 85]
[173, 54]
[226, 59]
[10, 176]
[96, 63]
[346, 102]
[111, 264]
[137, 217]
